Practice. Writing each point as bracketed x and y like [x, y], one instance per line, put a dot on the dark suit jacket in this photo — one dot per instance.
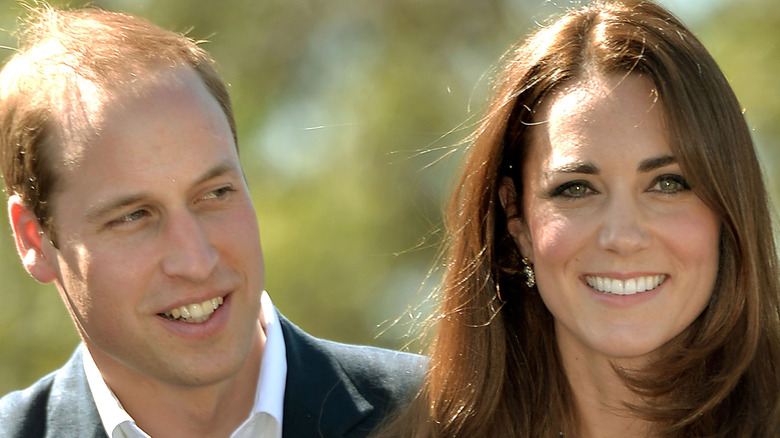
[332, 390]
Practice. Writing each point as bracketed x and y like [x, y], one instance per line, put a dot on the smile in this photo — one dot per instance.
[195, 312]
[628, 287]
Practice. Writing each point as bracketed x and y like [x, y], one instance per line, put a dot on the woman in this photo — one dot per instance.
[610, 265]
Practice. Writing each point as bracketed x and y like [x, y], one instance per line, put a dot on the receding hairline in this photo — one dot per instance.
[69, 64]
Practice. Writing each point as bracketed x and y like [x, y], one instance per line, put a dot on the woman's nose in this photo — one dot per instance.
[624, 226]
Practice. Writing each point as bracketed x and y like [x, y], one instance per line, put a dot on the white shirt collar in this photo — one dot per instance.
[266, 417]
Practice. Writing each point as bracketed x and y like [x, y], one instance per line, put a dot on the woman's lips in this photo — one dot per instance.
[630, 286]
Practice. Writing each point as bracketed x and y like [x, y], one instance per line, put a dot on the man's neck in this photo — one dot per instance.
[163, 410]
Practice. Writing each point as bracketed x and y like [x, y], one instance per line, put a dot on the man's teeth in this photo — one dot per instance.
[195, 312]
[627, 287]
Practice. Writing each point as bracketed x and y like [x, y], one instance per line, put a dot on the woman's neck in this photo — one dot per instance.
[601, 397]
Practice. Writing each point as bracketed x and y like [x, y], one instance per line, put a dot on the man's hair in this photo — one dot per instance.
[69, 64]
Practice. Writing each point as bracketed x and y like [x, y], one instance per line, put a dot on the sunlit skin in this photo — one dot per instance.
[604, 197]
[153, 215]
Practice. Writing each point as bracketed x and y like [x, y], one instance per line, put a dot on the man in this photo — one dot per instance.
[118, 151]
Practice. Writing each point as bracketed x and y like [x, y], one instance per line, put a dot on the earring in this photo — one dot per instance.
[528, 270]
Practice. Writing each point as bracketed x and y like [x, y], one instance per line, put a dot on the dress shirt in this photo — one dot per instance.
[265, 420]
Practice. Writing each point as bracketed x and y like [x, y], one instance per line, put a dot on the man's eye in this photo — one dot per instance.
[670, 184]
[573, 189]
[134, 216]
[130, 218]
[218, 193]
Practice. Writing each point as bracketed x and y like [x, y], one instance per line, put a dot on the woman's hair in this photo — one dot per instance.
[69, 64]
[495, 369]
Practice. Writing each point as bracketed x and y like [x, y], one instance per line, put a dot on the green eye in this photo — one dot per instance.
[573, 189]
[670, 184]
[576, 190]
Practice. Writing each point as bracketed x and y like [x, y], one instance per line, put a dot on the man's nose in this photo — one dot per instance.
[188, 252]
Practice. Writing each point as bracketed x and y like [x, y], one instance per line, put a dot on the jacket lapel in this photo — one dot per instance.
[71, 409]
[319, 396]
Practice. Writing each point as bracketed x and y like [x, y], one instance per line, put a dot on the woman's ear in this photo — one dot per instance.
[515, 223]
[31, 241]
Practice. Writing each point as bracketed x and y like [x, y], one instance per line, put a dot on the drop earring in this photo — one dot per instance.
[528, 270]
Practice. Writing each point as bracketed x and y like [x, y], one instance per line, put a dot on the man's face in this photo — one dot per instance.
[154, 221]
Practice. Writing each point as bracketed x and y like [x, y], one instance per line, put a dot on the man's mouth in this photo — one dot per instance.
[195, 312]
[625, 287]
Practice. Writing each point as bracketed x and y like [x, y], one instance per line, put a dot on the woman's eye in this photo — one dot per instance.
[670, 184]
[573, 189]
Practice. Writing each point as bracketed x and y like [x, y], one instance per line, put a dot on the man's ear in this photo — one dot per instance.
[515, 222]
[31, 242]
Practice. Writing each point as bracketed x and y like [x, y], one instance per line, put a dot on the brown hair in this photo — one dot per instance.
[69, 62]
[494, 367]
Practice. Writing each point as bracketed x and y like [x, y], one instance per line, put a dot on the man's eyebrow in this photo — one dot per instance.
[219, 170]
[656, 163]
[116, 204]
[124, 201]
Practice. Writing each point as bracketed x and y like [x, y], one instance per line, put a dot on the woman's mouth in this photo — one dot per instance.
[625, 287]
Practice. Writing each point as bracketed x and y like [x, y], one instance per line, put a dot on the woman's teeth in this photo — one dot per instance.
[627, 287]
[195, 312]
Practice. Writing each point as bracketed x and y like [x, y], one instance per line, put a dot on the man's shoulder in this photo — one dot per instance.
[23, 412]
[341, 390]
[367, 366]
[374, 367]
[59, 404]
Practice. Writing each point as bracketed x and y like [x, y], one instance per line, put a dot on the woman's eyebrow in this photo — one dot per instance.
[647, 165]
[656, 163]
[577, 167]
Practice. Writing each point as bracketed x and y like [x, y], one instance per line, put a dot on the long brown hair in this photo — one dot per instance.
[494, 367]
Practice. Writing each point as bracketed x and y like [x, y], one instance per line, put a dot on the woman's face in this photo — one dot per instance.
[625, 253]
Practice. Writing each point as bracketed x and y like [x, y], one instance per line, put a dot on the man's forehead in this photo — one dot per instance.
[88, 106]
[80, 118]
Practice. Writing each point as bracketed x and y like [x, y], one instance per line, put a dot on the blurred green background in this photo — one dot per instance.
[351, 115]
